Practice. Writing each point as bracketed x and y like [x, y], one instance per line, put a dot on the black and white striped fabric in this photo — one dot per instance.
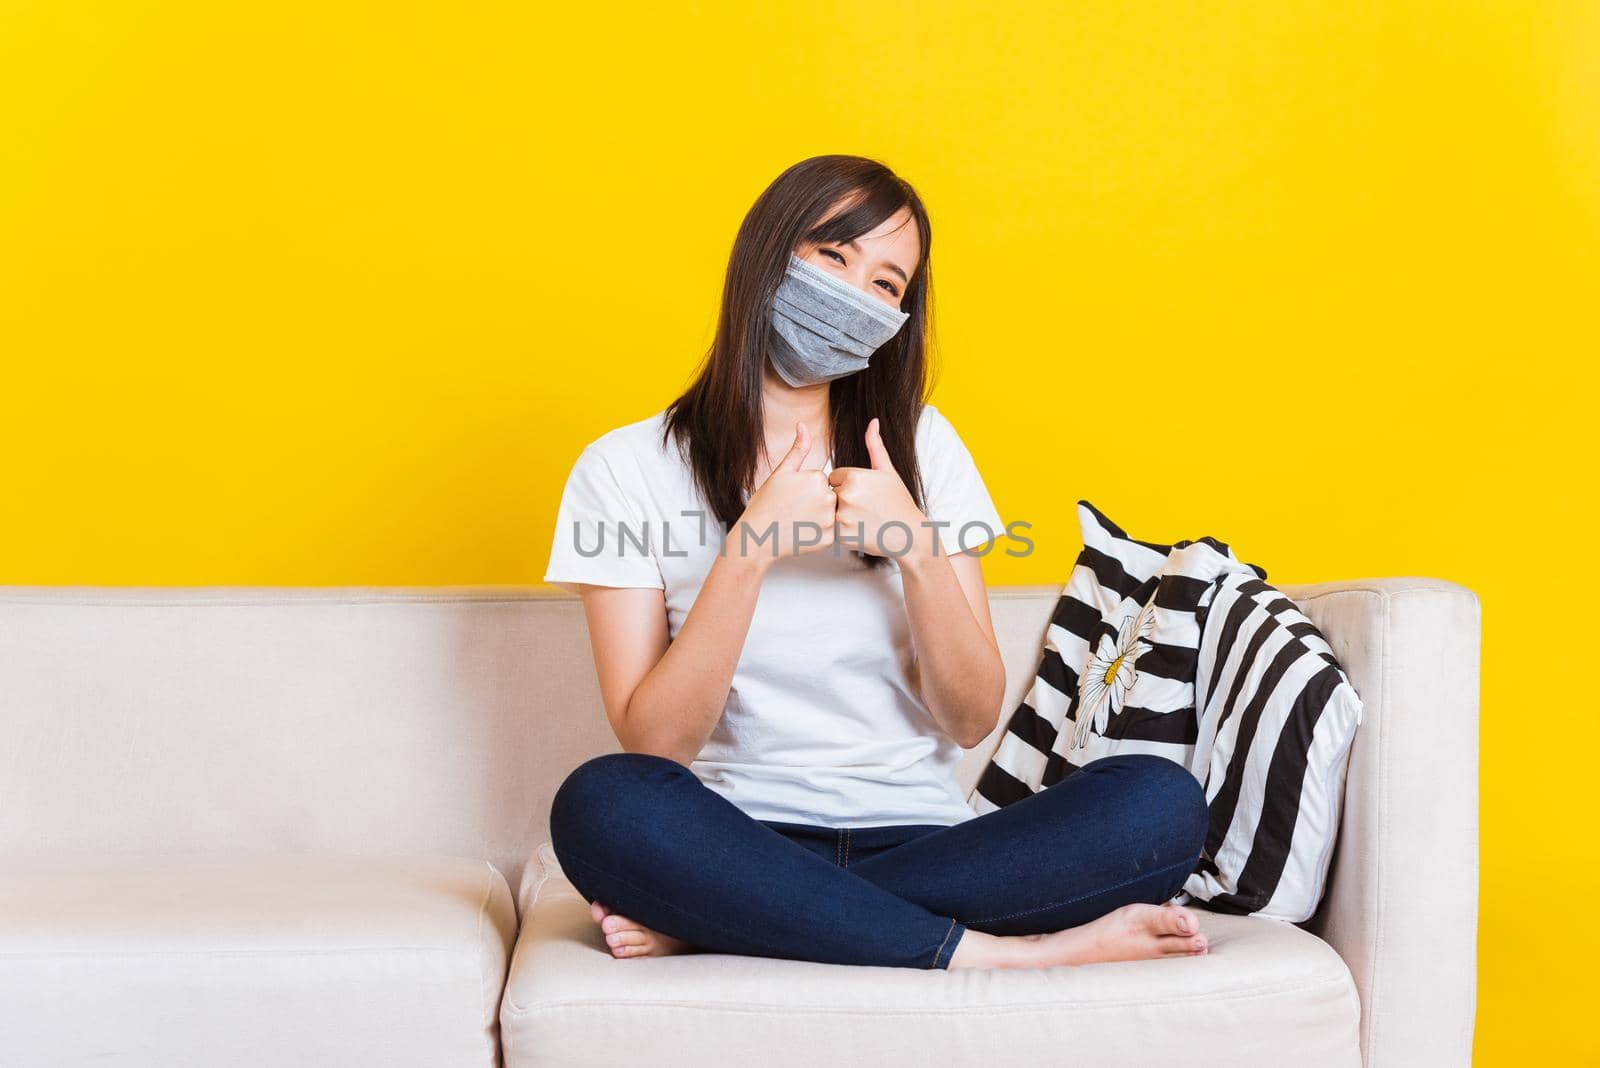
[1277, 720]
[1118, 669]
[1183, 651]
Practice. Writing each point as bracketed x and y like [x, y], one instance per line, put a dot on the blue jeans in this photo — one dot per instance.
[648, 839]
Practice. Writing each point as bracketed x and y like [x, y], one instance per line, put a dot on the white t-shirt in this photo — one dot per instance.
[823, 724]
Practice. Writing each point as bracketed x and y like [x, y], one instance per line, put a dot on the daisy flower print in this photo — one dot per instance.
[1110, 673]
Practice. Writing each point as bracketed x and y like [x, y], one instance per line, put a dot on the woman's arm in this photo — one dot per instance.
[665, 697]
[963, 678]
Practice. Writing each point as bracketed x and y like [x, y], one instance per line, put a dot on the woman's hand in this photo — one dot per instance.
[791, 512]
[871, 499]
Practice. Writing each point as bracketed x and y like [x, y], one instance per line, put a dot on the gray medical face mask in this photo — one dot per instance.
[824, 328]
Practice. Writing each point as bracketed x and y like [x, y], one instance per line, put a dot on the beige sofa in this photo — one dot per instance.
[267, 826]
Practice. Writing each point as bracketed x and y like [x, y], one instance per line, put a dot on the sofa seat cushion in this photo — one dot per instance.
[251, 959]
[1268, 993]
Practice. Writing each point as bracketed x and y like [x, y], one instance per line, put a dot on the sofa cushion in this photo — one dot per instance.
[251, 959]
[1265, 988]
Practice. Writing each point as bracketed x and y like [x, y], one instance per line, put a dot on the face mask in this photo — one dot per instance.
[824, 328]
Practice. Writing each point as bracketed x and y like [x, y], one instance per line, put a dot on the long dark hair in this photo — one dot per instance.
[717, 421]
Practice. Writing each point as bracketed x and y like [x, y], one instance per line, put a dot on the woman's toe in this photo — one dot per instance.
[1176, 920]
[626, 938]
[1189, 946]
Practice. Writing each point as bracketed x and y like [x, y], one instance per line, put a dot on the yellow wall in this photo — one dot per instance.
[332, 294]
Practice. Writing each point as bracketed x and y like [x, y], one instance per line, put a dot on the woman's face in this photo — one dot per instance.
[879, 262]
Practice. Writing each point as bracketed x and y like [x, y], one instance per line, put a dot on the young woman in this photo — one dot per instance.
[780, 573]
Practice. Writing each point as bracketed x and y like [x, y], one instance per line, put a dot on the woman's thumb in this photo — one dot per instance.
[875, 450]
[797, 452]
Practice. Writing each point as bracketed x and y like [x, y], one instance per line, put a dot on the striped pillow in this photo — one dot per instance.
[1277, 720]
[1118, 670]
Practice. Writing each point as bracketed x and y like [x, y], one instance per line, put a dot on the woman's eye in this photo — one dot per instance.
[888, 286]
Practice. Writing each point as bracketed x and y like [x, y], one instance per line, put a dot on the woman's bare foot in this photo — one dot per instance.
[628, 939]
[1132, 932]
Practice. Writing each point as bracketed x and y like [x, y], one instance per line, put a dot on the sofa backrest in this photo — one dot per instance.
[352, 720]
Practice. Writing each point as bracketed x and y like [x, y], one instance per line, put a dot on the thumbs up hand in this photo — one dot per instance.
[792, 509]
[874, 503]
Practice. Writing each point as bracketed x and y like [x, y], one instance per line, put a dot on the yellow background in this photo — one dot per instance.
[319, 293]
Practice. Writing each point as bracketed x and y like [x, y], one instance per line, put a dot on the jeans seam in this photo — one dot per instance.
[847, 847]
[948, 931]
[1081, 897]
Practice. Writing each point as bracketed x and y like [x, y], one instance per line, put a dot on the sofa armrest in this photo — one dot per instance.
[1401, 905]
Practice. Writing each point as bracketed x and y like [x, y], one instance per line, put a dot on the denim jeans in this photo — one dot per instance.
[643, 835]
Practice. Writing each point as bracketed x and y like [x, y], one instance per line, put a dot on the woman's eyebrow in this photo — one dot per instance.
[895, 267]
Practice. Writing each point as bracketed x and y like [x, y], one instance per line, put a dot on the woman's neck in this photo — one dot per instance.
[783, 405]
